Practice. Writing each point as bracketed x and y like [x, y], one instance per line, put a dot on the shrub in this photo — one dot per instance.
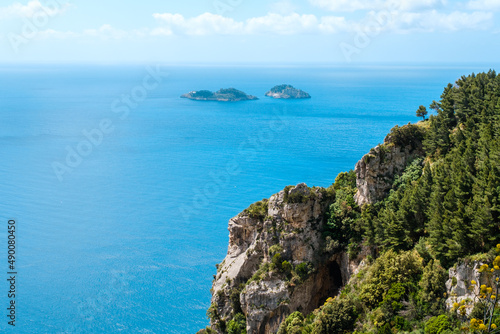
[293, 324]
[237, 325]
[297, 197]
[400, 324]
[437, 325]
[336, 316]
[277, 261]
[258, 210]
[410, 134]
[390, 268]
[234, 297]
[303, 270]
[275, 249]
[433, 286]
[286, 267]
[345, 179]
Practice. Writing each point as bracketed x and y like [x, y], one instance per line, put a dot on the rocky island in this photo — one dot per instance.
[224, 95]
[404, 243]
[287, 92]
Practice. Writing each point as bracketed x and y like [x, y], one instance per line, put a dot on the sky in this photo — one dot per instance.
[244, 31]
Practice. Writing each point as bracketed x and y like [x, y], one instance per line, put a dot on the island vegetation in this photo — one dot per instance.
[224, 95]
[287, 92]
[441, 213]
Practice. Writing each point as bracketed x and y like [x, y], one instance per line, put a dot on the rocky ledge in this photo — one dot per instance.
[376, 171]
[287, 92]
[224, 95]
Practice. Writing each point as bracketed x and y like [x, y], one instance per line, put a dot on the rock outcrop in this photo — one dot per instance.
[460, 277]
[376, 171]
[277, 263]
[287, 92]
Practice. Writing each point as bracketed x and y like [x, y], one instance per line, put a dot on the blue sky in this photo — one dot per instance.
[244, 31]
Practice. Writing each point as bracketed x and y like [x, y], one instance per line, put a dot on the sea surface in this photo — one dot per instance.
[121, 191]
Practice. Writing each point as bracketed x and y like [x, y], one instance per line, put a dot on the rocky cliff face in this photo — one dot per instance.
[278, 261]
[376, 170]
[460, 277]
[255, 279]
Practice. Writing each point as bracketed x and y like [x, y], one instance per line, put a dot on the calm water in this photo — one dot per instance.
[127, 241]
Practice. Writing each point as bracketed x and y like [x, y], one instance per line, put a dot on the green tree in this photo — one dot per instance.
[422, 112]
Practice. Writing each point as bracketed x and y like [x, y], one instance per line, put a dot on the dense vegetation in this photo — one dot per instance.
[444, 207]
[280, 88]
[227, 94]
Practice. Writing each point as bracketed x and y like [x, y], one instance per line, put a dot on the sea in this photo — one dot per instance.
[120, 191]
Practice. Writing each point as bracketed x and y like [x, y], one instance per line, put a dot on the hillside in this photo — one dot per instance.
[400, 244]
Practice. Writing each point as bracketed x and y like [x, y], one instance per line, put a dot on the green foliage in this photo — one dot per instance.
[293, 324]
[297, 197]
[342, 225]
[280, 88]
[437, 325]
[277, 261]
[392, 300]
[258, 210]
[234, 297]
[231, 93]
[390, 268]
[336, 316]
[286, 267]
[345, 180]
[274, 249]
[237, 325]
[264, 268]
[444, 206]
[303, 270]
[213, 315]
[202, 94]
[409, 135]
[432, 287]
[422, 112]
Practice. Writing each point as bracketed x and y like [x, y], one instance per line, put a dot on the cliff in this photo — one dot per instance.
[278, 258]
[376, 171]
[277, 261]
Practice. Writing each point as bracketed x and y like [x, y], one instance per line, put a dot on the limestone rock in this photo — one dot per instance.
[458, 284]
[293, 222]
[375, 172]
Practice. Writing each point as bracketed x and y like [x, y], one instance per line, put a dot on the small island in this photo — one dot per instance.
[287, 92]
[224, 95]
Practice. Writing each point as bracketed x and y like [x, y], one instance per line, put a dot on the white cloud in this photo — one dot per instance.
[50, 8]
[277, 24]
[282, 25]
[54, 34]
[432, 21]
[484, 5]
[355, 5]
[292, 24]
[211, 24]
[203, 24]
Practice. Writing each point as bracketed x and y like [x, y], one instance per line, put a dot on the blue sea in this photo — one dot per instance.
[121, 191]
